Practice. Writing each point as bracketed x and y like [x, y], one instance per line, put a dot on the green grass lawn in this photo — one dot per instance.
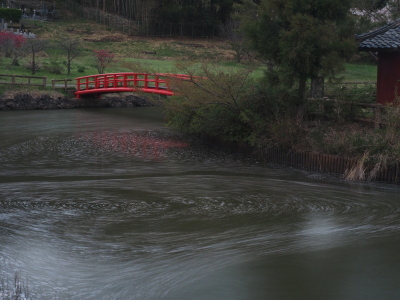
[360, 72]
[83, 66]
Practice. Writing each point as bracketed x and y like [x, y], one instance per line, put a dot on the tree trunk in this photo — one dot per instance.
[301, 99]
[69, 64]
[33, 62]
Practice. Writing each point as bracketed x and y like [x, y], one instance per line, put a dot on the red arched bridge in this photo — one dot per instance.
[95, 85]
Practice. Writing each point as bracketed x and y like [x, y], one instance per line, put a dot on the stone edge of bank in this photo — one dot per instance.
[25, 101]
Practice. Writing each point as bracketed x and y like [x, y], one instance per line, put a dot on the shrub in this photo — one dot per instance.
[54, 65]
[214, 102]
[30, 64]
[81, 69]
[11, 14]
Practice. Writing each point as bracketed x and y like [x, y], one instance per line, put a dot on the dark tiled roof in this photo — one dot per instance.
[384, 38]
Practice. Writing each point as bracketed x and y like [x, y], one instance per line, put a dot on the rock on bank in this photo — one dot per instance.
[28, 101]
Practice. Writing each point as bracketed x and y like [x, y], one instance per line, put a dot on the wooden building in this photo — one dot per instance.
[385, 41]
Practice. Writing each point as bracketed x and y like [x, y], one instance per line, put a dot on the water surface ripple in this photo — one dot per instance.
[109, 204]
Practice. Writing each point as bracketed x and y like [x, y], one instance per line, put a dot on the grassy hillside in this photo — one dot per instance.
[137, 53]
[153, 54]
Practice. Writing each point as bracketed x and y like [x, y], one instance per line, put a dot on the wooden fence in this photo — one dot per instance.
[351, 84]
[323, 163]
[39, 81]
[23, 80]
[61, 83]
[371, 112]
[319, 89]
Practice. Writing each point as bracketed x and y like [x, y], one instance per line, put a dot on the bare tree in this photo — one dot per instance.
[214, 86]
[103, 59]
[34, 46]
[214, 101]
[71, 47]
[17, 54]
[230, 30]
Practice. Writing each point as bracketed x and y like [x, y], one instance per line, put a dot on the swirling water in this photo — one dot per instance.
[109, 204]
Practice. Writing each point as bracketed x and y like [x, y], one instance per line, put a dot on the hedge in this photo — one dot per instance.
[12, 14]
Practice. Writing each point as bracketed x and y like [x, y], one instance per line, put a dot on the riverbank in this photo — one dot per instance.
[37, 100]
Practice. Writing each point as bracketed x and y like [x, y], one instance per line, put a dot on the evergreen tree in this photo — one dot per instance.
[302, 39]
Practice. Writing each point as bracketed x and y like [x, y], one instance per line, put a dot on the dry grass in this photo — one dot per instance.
[97, 36]
[358, 172]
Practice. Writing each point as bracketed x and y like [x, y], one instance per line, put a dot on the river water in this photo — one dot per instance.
[109, 204]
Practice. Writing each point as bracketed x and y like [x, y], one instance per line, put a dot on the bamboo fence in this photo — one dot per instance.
[313, 161]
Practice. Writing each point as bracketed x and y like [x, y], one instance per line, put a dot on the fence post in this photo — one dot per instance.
[44, 82]
[321, 104]
[53, 84]
[317, 87]
[13, 80]
[378, 116]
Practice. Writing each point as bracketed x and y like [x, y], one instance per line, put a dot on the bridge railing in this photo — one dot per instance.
[125, 80]
[158, 83]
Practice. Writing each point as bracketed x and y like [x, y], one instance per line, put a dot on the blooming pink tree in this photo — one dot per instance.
[103, 58]
[12, 45]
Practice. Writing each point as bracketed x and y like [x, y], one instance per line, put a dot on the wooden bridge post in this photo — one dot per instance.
[96, 82]
[157, 83]
[115, 80]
